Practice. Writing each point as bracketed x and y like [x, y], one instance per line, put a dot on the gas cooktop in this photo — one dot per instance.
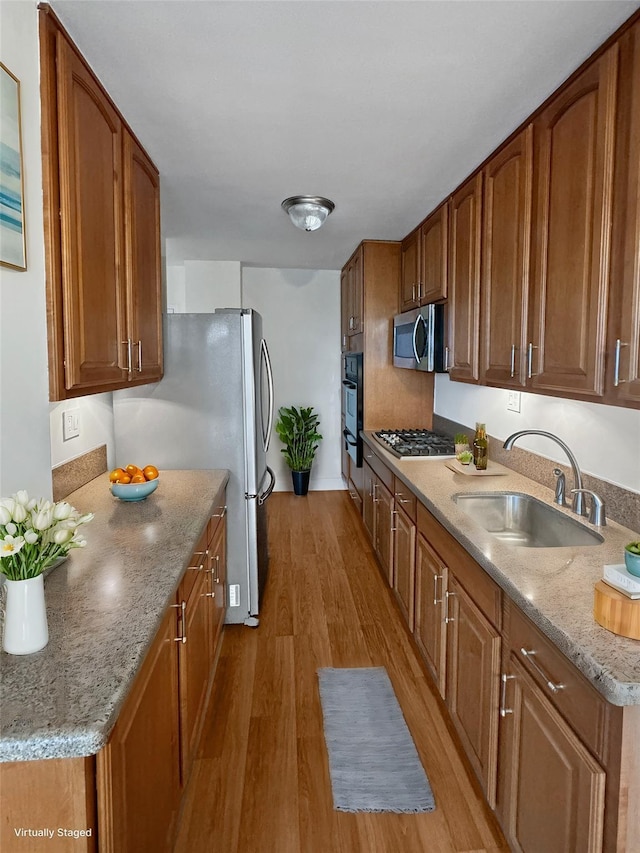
[415, 443]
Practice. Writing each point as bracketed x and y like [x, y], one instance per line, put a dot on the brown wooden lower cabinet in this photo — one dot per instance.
[552, 788]
[473, 683]
[383, 527]
[404, 561]
[429, 627]
[138, 772]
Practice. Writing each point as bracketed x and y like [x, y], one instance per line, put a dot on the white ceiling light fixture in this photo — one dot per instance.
[307, 212]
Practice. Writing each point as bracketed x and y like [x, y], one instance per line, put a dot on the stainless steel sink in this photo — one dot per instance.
[523, 520]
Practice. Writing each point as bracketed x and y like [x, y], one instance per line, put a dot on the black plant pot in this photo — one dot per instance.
[300, 482]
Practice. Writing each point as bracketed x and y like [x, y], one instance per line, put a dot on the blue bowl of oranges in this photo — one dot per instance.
[132, 483]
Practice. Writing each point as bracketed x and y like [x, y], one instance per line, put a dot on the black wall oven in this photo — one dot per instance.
[352, 400]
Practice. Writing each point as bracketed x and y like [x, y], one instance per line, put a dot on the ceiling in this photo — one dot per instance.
[383, 106]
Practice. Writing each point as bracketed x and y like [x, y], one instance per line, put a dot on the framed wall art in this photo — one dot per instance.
[12, 224]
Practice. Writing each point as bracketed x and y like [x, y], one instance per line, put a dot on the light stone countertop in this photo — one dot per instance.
[104, 606]
[553, 586]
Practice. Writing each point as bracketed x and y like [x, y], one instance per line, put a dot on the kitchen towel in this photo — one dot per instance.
[373, 761]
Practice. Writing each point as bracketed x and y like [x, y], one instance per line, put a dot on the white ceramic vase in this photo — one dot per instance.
[25, 617]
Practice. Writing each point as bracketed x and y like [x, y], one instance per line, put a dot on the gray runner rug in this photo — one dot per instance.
[373, 760]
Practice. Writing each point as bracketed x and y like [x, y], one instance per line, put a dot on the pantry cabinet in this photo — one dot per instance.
[464, 281]
[506, 238]
[102, 231]
[573, 181]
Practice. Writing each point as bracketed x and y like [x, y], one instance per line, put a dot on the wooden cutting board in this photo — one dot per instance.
[615, 611]
[492, 469]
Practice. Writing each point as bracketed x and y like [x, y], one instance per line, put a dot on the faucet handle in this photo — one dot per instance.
[597, 514]
[561, 485]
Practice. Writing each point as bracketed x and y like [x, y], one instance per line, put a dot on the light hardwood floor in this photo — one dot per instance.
[260, 783]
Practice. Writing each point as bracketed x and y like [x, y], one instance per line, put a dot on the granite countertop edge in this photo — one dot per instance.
[578, 636]
[34, 727]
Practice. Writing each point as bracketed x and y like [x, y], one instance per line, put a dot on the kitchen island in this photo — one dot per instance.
[113, 694]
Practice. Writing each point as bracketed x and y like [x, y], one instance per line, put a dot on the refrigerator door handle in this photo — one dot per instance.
[264, 495]
[266, 436]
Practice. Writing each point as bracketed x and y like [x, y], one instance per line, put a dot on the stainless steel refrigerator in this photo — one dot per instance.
[212, 409]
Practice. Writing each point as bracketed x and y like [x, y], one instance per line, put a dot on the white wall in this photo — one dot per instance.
[24, 424]
[96, 428]
[301, 313]
[202, 286]
[604, 439]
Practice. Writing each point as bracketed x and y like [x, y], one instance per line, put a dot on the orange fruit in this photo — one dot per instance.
[116, 475]
[150, 472]
[125, 479]
[138, 478]
[132, 470]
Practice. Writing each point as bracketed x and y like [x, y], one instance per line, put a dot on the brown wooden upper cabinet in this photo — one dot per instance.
[352, 298]
[506, 231]
[573, 193]
[623, 347]
[465, 232]
[102, 231]
[424, 262]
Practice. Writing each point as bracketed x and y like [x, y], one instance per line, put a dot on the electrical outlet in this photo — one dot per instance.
[70, 424]
[513, 401]
[234, 595]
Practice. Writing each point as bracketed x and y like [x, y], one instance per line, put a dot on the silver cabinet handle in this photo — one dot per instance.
[419, 291]
[503, 695]
[413, 293]
[529, 654]
[447, 596]
[616, 370]
[393, 512]
[530, 350]
[139, 356]
[446, 360]
[201, 566]
[374, 486]
[221, 514]
[128, 343]
[436, 578]
[513, 361]
[182, 607]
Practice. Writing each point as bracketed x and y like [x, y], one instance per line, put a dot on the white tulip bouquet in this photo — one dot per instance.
[36, 533]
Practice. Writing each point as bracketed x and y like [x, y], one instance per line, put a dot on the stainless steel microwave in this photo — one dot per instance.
[418, 339]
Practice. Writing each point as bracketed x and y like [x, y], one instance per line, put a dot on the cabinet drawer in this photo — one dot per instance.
[379, 467]
[580, 703]
[484, 591]
[405, 497]
[217, 516]
[196, 564]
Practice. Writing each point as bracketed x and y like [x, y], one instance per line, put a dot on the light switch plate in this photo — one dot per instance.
[70, 424]
[513, 401]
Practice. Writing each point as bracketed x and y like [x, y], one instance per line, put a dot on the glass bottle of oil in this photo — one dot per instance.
[480, 447]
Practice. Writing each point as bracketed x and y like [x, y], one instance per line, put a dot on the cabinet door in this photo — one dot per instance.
[626, 362]
[367, 499]
[344, 310]
[464, 280]
[356, 293]
[473, 681]
[434, 236]
[383, 527]
[573, 173]
[430, 629]
[404, 562]
[551, 788]
[92, 257]
[410, 271]
[217, 592]
[139, 769]
[506, 237]
[142, 241]
[194, 667]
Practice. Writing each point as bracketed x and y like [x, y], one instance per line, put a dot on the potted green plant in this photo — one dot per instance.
[297, 429]
[632, 558]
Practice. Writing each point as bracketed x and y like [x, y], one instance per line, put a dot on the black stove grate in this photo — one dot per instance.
[415, 442]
